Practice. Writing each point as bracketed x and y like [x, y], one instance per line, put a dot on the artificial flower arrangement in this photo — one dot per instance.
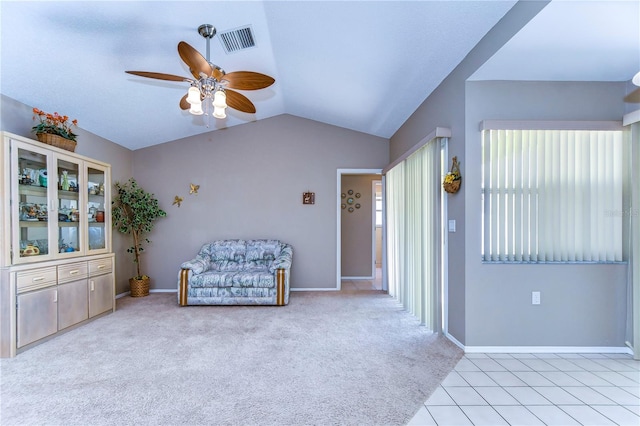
[54, 124]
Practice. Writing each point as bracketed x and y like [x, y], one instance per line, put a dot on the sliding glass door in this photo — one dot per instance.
[414, 195]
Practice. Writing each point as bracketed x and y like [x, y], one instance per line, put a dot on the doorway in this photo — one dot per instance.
[360, 230]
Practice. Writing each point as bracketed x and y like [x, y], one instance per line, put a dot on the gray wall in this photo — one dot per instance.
[445, 108]
[582, 305]
[251, 181]
[357, 227]
[17, 118]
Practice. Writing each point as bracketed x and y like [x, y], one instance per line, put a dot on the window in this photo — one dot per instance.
[552, 195]
[378, 202]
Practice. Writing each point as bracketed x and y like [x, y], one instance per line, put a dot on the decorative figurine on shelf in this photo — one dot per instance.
[42, 177]
[65, 180]
[31, 250]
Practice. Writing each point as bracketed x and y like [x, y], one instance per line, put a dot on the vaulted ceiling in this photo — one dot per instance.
[361, 65]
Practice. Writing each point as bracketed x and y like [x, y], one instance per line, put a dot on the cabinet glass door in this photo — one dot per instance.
[31, 203]
[68, 181]
[97, 213]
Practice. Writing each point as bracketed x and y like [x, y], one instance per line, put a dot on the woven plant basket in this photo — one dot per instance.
[452, 187]
[139, 287]
[57, 141]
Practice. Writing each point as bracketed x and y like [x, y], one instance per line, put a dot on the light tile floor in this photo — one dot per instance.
[537, 389]
[361, 285]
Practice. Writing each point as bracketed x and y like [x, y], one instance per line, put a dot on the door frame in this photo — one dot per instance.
[374, 243]
[341, 172]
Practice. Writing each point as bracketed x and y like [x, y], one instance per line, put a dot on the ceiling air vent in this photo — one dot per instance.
[237, 39]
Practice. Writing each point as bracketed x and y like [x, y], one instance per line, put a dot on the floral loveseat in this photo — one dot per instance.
[237, 272]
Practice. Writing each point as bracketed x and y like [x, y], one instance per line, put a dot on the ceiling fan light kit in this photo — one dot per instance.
[210, 92]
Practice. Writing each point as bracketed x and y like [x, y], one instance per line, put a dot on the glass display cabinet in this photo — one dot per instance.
[56, 261]
[61, 205]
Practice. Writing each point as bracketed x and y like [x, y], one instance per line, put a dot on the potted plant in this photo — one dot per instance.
[134, 211]
[55, 130]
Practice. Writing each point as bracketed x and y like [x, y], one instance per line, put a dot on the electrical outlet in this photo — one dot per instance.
[452, 225]
[535, 297]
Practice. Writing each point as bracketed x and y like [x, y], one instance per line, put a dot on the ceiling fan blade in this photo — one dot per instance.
[248, 80]
[218, 73]
[240, 102]
[196, 62]
[183, 102]
[160, 76]
[633, 97]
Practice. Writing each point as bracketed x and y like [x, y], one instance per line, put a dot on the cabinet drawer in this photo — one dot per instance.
[100, 266]
[72, 272]
[35, 279]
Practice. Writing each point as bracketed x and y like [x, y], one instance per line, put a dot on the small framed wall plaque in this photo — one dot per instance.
[308, 198]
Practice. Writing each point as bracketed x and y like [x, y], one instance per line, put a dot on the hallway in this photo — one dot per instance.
[363, 285]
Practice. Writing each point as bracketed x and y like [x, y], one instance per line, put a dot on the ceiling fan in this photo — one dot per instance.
[211, 85]
[634, 97]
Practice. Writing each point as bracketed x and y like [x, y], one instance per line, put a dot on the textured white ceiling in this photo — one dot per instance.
[362, 65]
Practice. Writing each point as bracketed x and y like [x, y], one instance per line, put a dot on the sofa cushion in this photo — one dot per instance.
[226, 265]
[262, 249]
[225, 250]
[212, 279]
[263, 279]
[197, 265]
[256, 265]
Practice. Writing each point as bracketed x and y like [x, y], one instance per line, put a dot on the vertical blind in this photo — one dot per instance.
[552, 195]
[413, 233]
[633, 319]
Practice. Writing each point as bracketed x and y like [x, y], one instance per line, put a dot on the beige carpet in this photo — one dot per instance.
[352, 358]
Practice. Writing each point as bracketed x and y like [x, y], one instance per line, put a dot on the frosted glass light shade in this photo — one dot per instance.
[196, 109]
[220, 99]
[193, 95]
[219, 112]
[636, 79]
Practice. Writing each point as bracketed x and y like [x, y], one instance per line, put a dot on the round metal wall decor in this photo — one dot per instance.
[350, 200]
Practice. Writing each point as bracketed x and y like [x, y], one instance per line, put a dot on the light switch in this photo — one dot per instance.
[452, 225]
[535, 297]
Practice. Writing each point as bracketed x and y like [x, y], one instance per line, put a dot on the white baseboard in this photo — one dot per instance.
[454, 340]
[358, 278]
[127, 293]
[314, 289]
[540, 349]
[544, 349]
[548, 349]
